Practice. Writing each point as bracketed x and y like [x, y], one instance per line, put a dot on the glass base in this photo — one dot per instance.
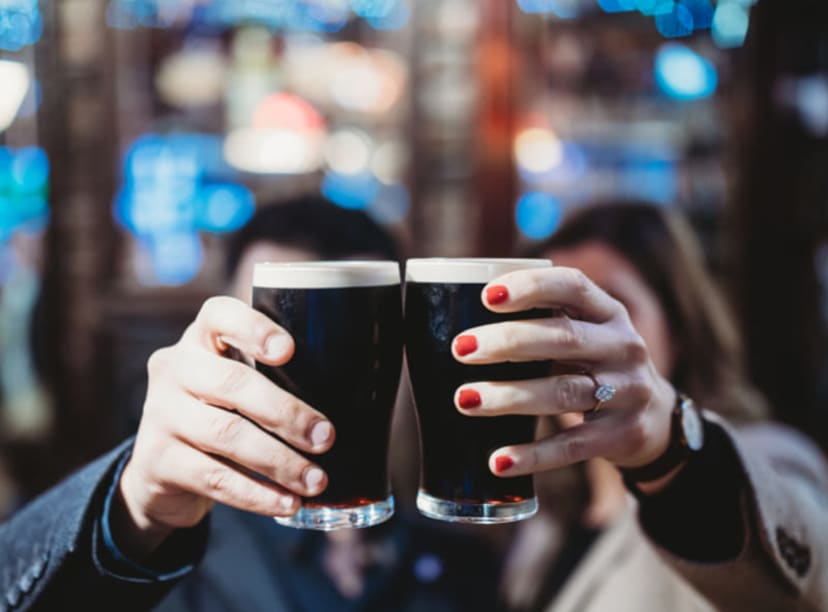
[330, 519]
[480, 514]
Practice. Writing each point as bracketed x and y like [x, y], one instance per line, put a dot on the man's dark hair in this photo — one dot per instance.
[313, 224]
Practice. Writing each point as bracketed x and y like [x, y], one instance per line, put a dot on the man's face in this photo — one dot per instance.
[241, 285]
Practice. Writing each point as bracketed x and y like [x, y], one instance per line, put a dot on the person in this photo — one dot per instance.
[739, 516]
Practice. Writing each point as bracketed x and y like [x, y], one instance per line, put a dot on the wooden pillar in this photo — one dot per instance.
[76, 69]
[779, 214]
[495, 185]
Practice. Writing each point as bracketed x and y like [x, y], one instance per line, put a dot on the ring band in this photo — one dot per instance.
[602, 393]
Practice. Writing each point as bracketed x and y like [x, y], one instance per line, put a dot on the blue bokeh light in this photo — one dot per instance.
[30, 170]
[559, 8]
[683, 74]
[730, 24]
[322, 16]
[654, 7]
[391, 205]
[676, 23]
[176, 257]
[24, 186]
[21, 24]
[225, 208]
[617, 6]
[538, 215]
[352, 191]
[702, 12]
[175, 186]
[375, 9]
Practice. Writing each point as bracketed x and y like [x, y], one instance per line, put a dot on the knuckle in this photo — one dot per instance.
[569, 392]
[210, 304]
[581, 285]
[570, 337]
[640, 392]
[573, 450]
[225, 429]
[635, 350]
[248, 495]
[217, 481]
[235, 377]
[158, 362]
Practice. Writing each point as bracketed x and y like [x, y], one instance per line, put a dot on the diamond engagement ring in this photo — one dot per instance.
[602, 394]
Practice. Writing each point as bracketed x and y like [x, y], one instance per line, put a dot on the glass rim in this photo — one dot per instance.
[472, 270]
[325, 274]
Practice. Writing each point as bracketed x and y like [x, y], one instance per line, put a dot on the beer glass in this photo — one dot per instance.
[443, 299]
[346, 322]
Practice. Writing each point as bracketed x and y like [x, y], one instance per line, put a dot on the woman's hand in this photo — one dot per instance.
[209, 422]
[596, 336]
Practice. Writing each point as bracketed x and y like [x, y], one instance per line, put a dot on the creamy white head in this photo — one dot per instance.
[466, 270]
[326, 274]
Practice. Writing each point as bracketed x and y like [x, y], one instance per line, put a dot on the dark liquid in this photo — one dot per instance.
[347, 366]
[455, 449]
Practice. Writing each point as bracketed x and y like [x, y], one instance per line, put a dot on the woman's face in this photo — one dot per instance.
[618, 277]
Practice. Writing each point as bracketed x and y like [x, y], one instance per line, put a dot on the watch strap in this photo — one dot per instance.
[677, 450]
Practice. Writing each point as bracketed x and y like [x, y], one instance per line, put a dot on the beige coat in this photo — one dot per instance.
[782, 568]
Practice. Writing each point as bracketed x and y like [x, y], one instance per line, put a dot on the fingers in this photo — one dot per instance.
[231, 436]
[553, 395]
[224, 321]
[558, 338]
[209, 477]
[611, 435]
[555, 287]
[236, 386]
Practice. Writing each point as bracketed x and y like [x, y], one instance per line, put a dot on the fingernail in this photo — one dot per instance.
[286, 502]
[313, 478]
[321, 433]
[497, 294]
[465, 345]
[503, 463]
[468, 399]
[277, 346]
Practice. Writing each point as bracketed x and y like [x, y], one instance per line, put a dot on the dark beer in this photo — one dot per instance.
[443, 299]
[346, 322]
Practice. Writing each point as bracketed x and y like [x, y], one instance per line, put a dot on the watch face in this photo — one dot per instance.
[692, 425]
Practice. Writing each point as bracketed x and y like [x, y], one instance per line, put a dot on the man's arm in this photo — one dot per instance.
[50, 554]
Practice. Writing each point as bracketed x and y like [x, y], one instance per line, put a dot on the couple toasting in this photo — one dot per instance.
[732, 520]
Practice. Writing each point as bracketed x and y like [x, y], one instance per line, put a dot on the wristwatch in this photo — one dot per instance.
[686, 439]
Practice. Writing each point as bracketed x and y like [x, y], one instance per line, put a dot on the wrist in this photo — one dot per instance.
[686, 438]
[135, 533]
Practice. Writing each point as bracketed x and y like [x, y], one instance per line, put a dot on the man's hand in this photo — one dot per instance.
[213, 426]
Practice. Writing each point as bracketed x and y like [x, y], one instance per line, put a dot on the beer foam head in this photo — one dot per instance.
[326, 274]
[466, 270]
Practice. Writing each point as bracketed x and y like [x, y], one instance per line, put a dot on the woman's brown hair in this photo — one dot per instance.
[661, 245]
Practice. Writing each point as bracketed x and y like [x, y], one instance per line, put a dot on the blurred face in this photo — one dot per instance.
[618, 277]
[242, 284]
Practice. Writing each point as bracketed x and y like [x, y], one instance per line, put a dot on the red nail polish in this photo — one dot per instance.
[468, 399]
[497, 294]
[465, 345]
[503, 463]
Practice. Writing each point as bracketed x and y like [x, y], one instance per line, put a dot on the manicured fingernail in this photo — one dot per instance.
[503, 463]
[465, 345]
[313, 478]
[277, 346]
[468, 399]
[286, 502]
[321, 433]
[497, 294]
